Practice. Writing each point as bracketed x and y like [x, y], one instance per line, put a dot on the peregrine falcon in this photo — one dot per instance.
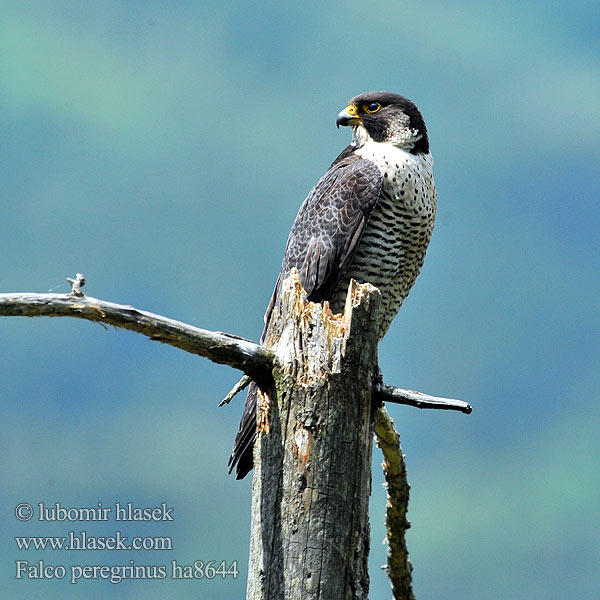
[369, 218]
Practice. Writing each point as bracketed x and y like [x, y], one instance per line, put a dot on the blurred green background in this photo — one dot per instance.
[163, 149]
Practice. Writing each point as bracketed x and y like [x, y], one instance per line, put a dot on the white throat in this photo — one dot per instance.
[402, 137]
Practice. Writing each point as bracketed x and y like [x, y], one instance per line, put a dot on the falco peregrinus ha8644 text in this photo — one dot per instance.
[369, 218]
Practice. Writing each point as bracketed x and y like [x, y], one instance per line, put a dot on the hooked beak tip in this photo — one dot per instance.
[347, 117]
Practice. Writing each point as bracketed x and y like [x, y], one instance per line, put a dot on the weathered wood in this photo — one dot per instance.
[310, 529]
[223, 348]
[399, 568]
[312, 479]
[395, 395]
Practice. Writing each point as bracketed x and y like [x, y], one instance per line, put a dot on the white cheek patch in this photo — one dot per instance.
[401, 136]
[404, 136]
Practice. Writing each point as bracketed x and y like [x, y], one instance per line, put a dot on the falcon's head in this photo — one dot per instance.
[385, 117]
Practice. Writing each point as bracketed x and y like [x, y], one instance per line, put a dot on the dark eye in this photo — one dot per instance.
[373, 107]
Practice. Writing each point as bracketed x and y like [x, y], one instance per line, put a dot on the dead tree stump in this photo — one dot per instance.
[312, 481]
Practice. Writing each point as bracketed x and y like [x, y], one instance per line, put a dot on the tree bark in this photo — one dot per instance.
[312, 478]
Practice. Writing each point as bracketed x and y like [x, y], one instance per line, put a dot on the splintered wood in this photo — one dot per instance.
[311, 344]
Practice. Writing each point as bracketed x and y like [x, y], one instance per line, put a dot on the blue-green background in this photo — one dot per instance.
[163, 149]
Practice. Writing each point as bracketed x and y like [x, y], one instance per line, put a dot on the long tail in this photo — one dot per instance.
[242, 454]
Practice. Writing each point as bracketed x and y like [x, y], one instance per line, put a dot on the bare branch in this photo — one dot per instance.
[399, 568]
[223, 348]
[389, 393]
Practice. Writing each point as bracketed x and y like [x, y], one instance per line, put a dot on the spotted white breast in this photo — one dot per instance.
[392, 250]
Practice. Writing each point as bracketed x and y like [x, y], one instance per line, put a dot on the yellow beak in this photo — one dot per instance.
[348, 116]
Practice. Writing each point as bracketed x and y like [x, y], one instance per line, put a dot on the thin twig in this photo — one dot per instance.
[389, 393]
[242, 384]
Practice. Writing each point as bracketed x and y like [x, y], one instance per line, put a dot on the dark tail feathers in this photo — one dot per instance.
[243, 447]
